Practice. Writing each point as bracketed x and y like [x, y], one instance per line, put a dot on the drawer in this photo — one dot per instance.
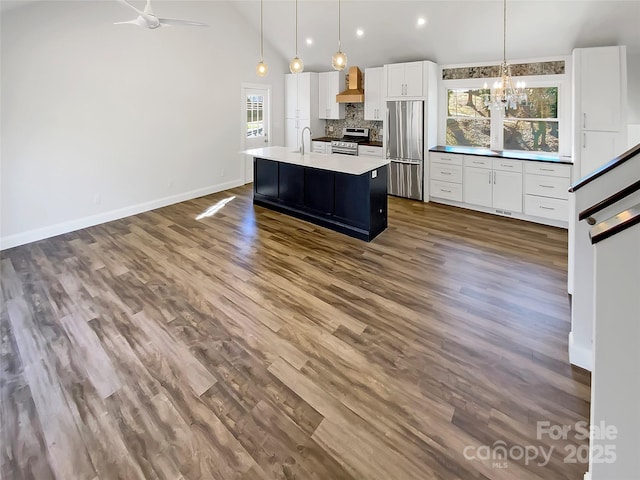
[546, 186]
[551, 208]
[554, 170]
[446, 190]
[367, 151]
[447, 173]
[507, 165]
[450, 158]
[476, 161]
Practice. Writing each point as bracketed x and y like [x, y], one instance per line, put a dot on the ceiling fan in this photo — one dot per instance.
[148, 19]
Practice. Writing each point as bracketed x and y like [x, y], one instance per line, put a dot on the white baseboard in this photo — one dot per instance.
[72, 225]
[579, 355]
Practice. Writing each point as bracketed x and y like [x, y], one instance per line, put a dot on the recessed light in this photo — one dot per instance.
[359, 32]
[422, 21]
[309, 41]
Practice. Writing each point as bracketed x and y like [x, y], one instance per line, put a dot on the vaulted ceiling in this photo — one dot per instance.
[455, 31]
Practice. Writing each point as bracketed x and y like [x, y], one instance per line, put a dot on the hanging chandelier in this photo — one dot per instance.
[296, 65]
[339, 59]
[261, 69]
[505, 94]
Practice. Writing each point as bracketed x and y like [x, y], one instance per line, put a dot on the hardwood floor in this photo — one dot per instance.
[250, 345]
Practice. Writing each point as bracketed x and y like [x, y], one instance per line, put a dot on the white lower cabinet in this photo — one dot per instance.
[546, 189]
[321, 147]
[527, 189]
[446, 176]
[369, 151]
[493, 183]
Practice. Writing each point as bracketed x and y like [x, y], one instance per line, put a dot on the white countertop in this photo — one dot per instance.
[335, 162]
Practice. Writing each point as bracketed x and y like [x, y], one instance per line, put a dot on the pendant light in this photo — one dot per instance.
[296, 65]
[504, 93]
[339, 59]
[261, 69]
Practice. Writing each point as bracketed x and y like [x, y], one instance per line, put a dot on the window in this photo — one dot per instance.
[468, 119]
[255, 115]
[533, 126]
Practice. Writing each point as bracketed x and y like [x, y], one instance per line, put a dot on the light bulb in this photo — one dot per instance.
[296, 65]
[262, 69]
[339, 60]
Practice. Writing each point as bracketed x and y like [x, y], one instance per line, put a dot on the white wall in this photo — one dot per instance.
[633, 111]
[100, 121]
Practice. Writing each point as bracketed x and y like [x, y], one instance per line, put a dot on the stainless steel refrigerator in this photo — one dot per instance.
[405, 148]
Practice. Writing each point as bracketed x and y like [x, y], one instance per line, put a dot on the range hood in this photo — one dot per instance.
[355, 92]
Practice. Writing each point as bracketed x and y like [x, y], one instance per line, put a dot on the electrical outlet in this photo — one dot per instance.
[331, 128]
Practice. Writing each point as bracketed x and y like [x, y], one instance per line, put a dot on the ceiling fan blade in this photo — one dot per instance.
[124, 2]
[169, 22]
[147, 8]
[138, 21]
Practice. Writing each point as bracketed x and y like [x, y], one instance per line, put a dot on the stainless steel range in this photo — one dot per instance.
[348, 144]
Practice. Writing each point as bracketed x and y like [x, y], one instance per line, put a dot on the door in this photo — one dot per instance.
[255, 123]
[405, 180]
[597, 149]
[600, 80]
[413, 79]
[373, 93]
[291, 133]
[395, 80]
[477, 186]
[324, 110]
[507, 191]
[291, 95]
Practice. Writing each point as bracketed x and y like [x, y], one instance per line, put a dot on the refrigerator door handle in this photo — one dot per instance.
[405, 162]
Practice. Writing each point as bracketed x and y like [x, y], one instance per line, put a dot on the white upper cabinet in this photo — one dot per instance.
[404, 80]
[291, 95]
[600, 71]
[301, 95]
[330, 84]
[600, 87]
[373, 95]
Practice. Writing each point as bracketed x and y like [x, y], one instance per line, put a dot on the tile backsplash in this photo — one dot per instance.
[354, 118]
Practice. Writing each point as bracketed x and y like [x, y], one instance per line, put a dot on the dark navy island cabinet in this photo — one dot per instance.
[355, 205]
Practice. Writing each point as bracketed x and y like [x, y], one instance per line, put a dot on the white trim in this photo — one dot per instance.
[78, 224]
[244, 86]
[492, 211]
[579, 355]
[587, 476]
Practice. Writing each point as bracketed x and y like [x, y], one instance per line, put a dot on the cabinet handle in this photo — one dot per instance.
[478, 163]
[494, 178]
[506, 165]
[584, 140]
[445, 173]
[584, 120]
[445, 191]
[546, 186]
[546, 208]
[547, 169]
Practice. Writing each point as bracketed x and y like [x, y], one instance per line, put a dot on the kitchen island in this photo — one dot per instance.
[344, 193]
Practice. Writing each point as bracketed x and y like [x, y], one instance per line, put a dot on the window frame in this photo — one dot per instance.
[561, 81]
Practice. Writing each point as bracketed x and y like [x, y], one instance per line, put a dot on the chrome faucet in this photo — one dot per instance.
[302, 139]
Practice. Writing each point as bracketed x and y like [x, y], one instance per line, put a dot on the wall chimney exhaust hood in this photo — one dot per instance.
[355, 92]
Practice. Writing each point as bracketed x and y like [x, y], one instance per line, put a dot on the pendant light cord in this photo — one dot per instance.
[339, 28]
[504, 33]
[261, 35]
[296, 28]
